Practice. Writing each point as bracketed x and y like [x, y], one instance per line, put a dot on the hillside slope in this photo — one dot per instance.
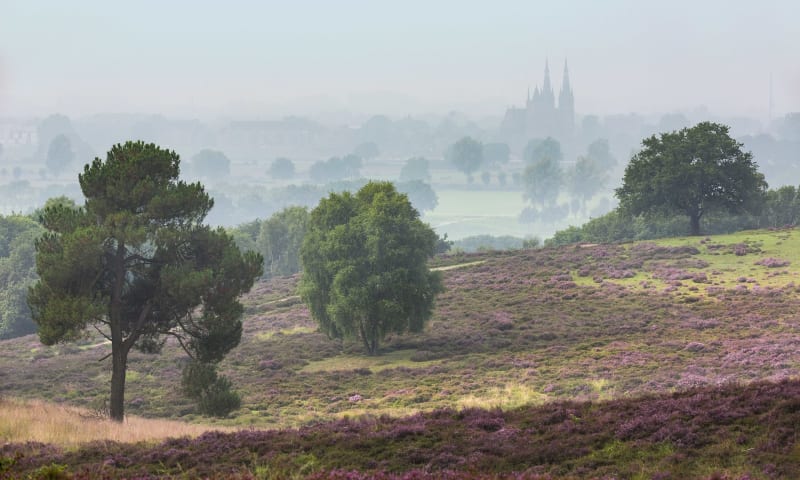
[527, 327]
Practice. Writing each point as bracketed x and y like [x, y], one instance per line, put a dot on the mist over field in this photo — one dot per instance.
[312, 81]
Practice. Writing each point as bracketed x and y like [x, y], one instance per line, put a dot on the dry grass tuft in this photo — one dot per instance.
[67, 426]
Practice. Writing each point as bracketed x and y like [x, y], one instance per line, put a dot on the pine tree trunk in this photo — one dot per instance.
[119, 360]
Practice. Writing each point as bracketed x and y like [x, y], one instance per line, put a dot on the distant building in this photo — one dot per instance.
[541, 116]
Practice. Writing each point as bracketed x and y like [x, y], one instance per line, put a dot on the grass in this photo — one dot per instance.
[68, 426]
[362, 363]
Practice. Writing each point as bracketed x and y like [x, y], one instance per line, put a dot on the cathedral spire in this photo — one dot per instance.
[546, 87]
[565, 86]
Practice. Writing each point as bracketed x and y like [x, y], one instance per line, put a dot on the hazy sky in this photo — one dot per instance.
[267, 58]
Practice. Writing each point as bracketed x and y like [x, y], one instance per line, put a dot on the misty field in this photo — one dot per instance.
[462, 213]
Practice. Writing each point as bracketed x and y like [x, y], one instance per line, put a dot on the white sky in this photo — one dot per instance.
[269, 58]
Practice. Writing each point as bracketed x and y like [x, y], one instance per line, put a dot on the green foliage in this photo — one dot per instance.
[416, 168]
[279, 241]
[17, 272]
[211, 391]
[691, 171]
[281, 168]
[781, 207]
[467, 155]
[365, 265]
[137, 263]
[481, 243]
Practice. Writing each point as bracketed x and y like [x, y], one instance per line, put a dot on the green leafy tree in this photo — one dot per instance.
[59, 154]
[137, 264]
[467, 155]
[365, 271]
[280, 239]
[781, 207]
[281, 168]
[17, 272]
[691, 171]
[416, 168]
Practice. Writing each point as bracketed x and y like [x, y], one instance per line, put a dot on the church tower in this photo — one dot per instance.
[566, 104]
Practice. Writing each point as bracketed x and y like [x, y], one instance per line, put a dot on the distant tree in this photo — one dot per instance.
[691, 171]
[495, 154]
[421, 195]
[1, 150]
[486, 177]
[16, 172]
[467, 155]
[59, 154]
[137, 264]
[599, 152]
[335, 168]
[416, 168]
[542, 181]
[367, 150]
[279, 241]
[781, 207]
[585, 180]
[537, 150]
[443, 245]
[350, 165]
[211, 164]
[365, 271]
[281, 168]
[17, 272]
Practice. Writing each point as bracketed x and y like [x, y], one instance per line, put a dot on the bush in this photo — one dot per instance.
[218, 399]
[212, 392]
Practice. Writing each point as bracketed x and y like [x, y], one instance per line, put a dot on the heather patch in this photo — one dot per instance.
[731, 431]
[552, 321]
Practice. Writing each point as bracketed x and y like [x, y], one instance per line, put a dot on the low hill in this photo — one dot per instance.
[576, 323]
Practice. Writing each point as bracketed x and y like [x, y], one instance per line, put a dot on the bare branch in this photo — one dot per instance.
[102, 332]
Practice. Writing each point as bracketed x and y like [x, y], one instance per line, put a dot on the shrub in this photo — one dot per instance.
[212, 392]
[218, 399]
